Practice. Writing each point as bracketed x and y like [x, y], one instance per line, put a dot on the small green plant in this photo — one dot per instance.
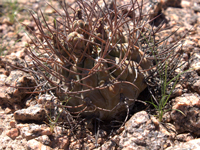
[165, 93]
[53, 120]
[52, 123]
[165, 78]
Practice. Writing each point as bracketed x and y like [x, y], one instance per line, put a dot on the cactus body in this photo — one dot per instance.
[97, 63]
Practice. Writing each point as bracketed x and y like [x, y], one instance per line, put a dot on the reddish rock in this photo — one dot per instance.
[13, 133]
[12, 124]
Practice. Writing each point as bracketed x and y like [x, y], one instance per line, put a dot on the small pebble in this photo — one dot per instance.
[13, 133]
[12, 124]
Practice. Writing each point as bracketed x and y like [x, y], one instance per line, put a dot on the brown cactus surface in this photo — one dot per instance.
[95, 56]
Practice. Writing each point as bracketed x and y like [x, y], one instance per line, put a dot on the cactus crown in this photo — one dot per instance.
[96, 56]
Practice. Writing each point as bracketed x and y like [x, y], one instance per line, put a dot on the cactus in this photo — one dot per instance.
[95, 56]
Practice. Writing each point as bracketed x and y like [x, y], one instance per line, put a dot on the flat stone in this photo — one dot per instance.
[188, 120]
[32, 113]
[35, 145]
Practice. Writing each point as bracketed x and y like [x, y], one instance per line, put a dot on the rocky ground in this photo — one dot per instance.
[22, 116]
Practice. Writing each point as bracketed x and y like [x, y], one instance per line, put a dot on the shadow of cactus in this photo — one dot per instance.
[97, 57]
